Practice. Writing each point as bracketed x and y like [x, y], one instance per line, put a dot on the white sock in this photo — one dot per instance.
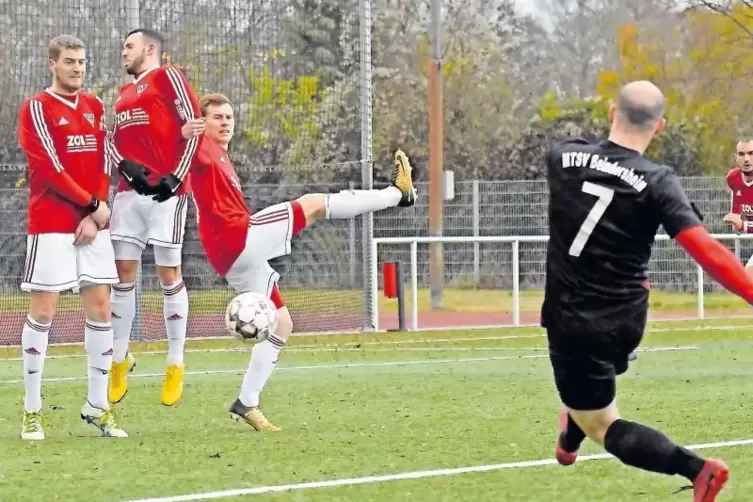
[123, 302]
[351, 203]
[34, 338]
[176, 318]
[263, 359]
[98, 341]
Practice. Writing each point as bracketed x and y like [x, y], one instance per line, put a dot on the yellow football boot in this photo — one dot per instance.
[253, 416]
[32, 429]
[118, 382]
[172, 390]
[131, 362]
[402, 178]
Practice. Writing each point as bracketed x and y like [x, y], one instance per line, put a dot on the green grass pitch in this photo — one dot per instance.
[366, 405]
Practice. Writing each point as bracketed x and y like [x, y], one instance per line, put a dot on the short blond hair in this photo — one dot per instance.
[212, 99]
[61, 43]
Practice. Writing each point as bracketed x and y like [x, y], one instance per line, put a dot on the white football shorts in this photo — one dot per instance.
[139, 220]
[269, 236]
[54, 263]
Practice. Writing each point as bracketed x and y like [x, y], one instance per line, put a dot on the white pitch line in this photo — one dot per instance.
[332, 483]
[304, 346]
[725, 327]
[143, 353]
[356, 365]
[311, 367]
[428, 340]
[414, 349]
[468, 349]
[506, 327]
[387, 342]
[669, 349]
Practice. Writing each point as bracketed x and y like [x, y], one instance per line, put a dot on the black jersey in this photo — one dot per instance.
[606, 203]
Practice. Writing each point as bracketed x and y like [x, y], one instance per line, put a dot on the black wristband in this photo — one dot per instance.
[93, 205]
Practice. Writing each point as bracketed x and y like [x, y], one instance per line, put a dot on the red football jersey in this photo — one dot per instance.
[150, 112]
[221, 210]
[63, 138]
[741, 193]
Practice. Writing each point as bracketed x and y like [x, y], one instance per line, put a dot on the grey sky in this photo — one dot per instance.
[531, 7]
[527, 6]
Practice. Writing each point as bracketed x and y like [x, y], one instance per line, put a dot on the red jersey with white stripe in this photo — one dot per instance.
[221, 210]
[150, 112]
[741, 194]
[63, 138]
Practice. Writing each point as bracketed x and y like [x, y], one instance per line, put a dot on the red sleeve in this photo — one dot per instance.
[36, 141]
[103, 187]
[112, 154]
[717, 260]
[105, 170]
[734, 201]
[734, 205]
[184, 105]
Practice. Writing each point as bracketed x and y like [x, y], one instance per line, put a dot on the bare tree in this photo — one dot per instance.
[582, 41]
[725, 8]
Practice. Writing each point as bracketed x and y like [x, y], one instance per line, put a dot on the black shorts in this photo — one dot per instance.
[586, 363]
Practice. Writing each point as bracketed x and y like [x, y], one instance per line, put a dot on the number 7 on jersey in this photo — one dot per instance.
[605, 196]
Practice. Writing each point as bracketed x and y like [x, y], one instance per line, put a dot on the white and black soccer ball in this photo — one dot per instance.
[251, 316]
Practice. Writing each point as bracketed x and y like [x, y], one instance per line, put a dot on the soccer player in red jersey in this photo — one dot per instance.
[740, 183]
[62, 132]
[148, 146]
[239, 245]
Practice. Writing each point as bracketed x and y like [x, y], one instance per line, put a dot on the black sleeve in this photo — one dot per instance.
[674, 208]
[550, 156]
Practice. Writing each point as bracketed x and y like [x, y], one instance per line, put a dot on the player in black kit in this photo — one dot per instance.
[606, 202]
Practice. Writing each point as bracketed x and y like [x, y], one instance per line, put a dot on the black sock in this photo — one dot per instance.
[573, 436]
[648, 449]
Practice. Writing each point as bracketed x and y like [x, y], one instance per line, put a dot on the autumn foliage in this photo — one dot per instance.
[510, 84]
[703, 65]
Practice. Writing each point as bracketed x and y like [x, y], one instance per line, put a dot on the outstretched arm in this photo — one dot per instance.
[682, 221]
[717, 260]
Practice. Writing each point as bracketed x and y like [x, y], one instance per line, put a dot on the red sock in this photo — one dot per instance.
[276, 297]
[299, 218]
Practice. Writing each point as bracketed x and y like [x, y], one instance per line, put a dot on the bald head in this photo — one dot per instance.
[640, 105]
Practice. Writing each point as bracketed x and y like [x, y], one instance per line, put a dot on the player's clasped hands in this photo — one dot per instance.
[101, 216]
[88, 227]
[86, 232]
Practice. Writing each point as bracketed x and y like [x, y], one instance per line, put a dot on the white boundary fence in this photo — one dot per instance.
[515, 242]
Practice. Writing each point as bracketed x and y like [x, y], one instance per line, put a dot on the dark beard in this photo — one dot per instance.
[138, 63]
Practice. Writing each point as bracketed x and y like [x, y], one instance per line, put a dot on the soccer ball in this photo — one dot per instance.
[251, 316]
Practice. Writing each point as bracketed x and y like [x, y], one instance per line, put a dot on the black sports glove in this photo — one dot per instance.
[135, 174]
[165, 187]
[93, 205]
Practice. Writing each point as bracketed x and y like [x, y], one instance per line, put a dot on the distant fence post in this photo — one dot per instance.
[352, 244]
[476, 233]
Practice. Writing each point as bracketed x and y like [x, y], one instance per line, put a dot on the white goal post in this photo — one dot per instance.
[515, 242]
